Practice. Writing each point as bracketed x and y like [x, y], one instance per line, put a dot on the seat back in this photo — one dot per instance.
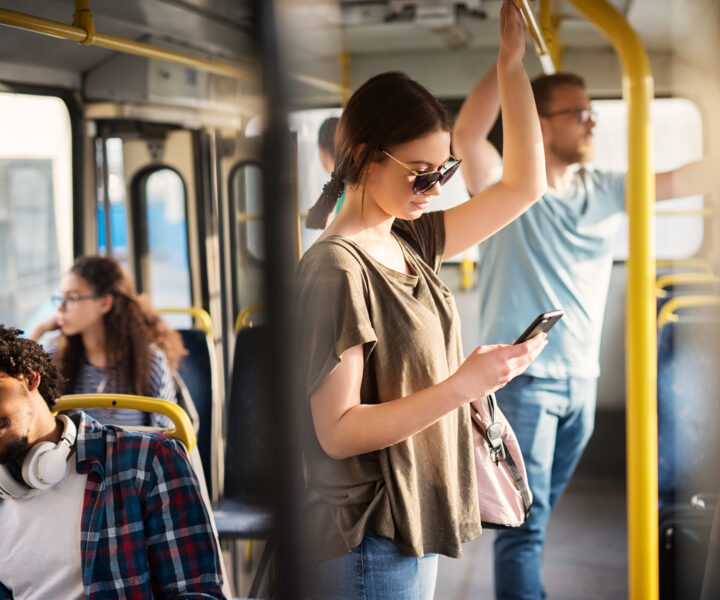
[689, 405]
[182, 431]
[198, 374]
[248, 433]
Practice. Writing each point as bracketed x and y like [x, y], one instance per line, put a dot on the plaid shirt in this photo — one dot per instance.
[145, 531]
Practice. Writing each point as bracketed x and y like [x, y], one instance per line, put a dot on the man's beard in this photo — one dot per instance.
[14, 450]
[580, 154]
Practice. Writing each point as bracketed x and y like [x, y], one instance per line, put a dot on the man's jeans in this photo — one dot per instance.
[553, 420]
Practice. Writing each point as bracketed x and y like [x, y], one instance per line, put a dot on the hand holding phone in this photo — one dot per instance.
[543, 323]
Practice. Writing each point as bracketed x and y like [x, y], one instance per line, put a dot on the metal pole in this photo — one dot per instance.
[281, 258]
[640, 334]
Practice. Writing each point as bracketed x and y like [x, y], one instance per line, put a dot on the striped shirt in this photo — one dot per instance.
[145, 531]
[94, 380]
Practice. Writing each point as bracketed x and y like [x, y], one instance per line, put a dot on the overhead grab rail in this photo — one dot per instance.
[668, 313]
[83, 32]
[640, 335]
[533, 29]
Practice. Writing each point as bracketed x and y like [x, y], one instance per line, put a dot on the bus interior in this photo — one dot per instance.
[180, 138]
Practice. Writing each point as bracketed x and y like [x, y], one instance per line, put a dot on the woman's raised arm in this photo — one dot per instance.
[523, 176]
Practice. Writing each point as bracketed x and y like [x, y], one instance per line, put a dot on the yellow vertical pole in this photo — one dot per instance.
[641, 360]
[344, 59]
[550, 27]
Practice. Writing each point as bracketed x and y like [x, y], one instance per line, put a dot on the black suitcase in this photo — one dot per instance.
[684, 542]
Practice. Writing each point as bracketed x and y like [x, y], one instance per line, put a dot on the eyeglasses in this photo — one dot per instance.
[69, 301]
[583, 115]
[425, 180]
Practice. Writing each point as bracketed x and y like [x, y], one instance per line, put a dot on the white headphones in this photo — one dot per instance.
[44, 466]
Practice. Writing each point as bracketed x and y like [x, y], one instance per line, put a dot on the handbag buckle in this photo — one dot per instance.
[494, 437]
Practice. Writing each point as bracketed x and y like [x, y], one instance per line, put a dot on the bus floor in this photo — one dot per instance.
[585, 550]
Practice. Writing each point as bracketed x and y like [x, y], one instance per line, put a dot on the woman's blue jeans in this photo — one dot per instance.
[374, 570]
[553, 420]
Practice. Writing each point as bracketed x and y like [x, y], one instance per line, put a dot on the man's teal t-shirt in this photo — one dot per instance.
[558, 254]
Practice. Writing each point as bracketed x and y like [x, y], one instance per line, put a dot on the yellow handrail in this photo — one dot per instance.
[667, 312]
[201, 316]
[83, 32]
[182, 430]
[467, 270]
[533, 29]
[550, 26]
[243, 217]
[641, 344]
[690, 263]
[83, 36]
[699, 212]
[682, 279]
[242, 319]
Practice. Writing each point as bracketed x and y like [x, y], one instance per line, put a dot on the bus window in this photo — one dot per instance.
[247, 200]
[311, 174]
[35, 205]
[673, 119]
[114, 191]
[168, 279]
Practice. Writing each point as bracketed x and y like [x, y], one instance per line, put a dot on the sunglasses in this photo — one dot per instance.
[425, 180]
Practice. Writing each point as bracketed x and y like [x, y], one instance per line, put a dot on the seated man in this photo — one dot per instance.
[89, 511]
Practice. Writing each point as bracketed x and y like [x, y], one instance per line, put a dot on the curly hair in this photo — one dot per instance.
[131, 326]
[22, 357]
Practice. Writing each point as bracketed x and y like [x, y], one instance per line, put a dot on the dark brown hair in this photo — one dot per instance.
[387, 110]
[544, 86]
[131, 325]
[21, 357]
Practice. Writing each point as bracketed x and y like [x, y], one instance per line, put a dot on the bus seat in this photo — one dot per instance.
[244, 512]
[198, 372]
[688, 393]
[182, 431]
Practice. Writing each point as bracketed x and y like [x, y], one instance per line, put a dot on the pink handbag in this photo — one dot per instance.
[503, 490]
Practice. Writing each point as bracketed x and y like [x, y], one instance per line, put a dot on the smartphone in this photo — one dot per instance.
[543, 322]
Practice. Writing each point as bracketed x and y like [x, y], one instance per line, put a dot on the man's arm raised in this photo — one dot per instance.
[482, 164]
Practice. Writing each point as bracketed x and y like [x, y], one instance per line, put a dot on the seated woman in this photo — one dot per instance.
[111, 340]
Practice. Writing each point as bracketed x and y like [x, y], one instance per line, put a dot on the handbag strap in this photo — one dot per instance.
[499, 453]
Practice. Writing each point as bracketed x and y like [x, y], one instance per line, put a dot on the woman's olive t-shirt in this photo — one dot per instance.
[421, 492]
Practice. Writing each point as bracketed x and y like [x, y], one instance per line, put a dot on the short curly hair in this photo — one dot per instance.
[21, 356]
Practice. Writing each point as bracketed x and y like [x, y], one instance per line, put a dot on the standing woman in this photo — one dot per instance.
[390, 469]
[111, 340]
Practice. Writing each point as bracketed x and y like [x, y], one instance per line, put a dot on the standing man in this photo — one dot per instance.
[88, 511]
[558, 254]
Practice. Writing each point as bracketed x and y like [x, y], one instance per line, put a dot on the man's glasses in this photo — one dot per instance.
[66, 302]
[583, 115]
[425, 180]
